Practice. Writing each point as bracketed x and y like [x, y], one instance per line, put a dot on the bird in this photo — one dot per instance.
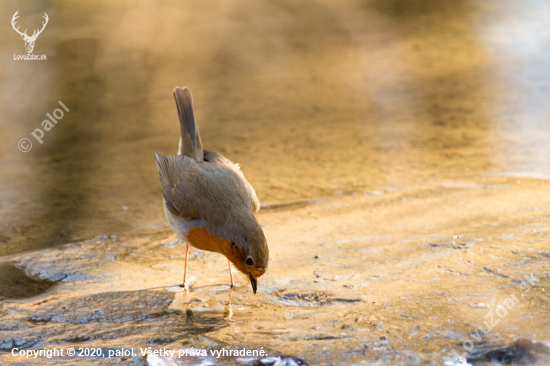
[208, 202]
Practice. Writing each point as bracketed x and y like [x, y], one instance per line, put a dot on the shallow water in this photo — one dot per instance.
[399, 149]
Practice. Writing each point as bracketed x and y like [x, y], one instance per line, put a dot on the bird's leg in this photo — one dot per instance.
[185, 287]
[230, 273]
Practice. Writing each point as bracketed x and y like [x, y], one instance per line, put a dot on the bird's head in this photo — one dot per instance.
[247, 248]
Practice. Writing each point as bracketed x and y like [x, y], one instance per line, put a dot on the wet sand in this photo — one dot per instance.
[397, 275]
[399, 149]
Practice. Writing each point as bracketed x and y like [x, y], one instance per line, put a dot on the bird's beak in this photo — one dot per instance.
[254, 283]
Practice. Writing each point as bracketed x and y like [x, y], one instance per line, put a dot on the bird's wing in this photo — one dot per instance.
[176, 190]
[202, 189]
[217, 158]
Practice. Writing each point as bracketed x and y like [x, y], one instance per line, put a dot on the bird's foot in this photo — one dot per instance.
[228, 312]
[185, 287]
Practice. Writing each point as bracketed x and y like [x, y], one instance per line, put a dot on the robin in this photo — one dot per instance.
[208, 201]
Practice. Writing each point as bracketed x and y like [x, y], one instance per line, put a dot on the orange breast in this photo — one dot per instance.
[201, 239]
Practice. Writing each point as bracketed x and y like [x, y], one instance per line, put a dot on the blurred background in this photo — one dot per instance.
[312, 98]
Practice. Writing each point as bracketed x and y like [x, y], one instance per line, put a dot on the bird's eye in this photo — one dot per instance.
[249, 261]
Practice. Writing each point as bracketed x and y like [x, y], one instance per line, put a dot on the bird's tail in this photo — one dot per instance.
[190, 142]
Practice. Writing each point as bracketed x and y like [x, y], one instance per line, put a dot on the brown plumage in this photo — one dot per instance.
[208, 202]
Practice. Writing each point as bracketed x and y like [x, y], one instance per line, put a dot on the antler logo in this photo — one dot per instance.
[29, 41]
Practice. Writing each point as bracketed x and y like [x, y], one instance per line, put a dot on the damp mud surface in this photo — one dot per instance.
[399, 149]
[403, 277]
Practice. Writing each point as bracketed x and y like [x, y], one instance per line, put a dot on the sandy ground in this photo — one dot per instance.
[399, 149]
[398, 276]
